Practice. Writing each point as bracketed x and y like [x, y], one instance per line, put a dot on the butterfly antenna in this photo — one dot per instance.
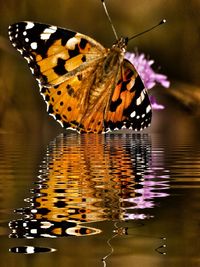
[108, 16]
[148, 30]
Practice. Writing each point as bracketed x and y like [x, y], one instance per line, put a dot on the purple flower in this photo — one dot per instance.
[154, 104]
[149, 76]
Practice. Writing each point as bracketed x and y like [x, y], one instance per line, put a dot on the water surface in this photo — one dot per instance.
[100, 200]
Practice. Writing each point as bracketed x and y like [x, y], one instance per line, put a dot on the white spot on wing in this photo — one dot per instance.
[49, 236]
[30, 250]
[33, 231]
[32, 70]
[140, 98]
[46, 225]
[45, 36]
[73, 129]
[28, 59]
[20, 51]
[51, 114]
[34, 45]
[148, 109]
[34, 211]
[107, 130]
[60, 123]
[72, 42]
[38, 80]
[29, 25]
[47, 32]
[133, 114]
[53, 28]
[24, 224]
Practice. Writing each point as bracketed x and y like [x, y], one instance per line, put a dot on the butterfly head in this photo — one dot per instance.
[121, 44]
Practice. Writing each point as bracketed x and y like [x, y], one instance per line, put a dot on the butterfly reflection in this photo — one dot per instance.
[85, 179]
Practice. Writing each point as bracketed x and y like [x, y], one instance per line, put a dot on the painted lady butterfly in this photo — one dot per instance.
[87, 87]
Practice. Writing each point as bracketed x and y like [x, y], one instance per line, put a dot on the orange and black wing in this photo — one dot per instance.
[53, 53]
[64, 63]
[70, 70]
[129, 105]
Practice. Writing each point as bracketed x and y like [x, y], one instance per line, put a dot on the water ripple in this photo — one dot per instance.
[91, 178]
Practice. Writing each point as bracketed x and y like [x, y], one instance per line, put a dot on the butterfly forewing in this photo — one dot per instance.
[86, 86]
[53, 53]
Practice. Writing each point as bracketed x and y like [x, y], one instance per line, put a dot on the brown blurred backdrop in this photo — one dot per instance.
[174, 47]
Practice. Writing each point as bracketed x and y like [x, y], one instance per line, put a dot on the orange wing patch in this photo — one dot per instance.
[63, 102]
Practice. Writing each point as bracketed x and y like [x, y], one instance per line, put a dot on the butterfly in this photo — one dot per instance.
[87, 87]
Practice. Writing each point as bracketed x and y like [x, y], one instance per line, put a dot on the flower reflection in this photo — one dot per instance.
[92, 178]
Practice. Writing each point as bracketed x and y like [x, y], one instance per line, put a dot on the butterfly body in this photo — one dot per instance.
[87, 87]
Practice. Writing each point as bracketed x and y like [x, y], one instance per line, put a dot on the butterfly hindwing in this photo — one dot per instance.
[69, 102]
[53, 53]
[129, 106]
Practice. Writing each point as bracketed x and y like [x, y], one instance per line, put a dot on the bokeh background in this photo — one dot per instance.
[174, 47]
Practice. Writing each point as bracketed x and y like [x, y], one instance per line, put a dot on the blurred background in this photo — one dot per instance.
[26, 129]
[174, 47]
